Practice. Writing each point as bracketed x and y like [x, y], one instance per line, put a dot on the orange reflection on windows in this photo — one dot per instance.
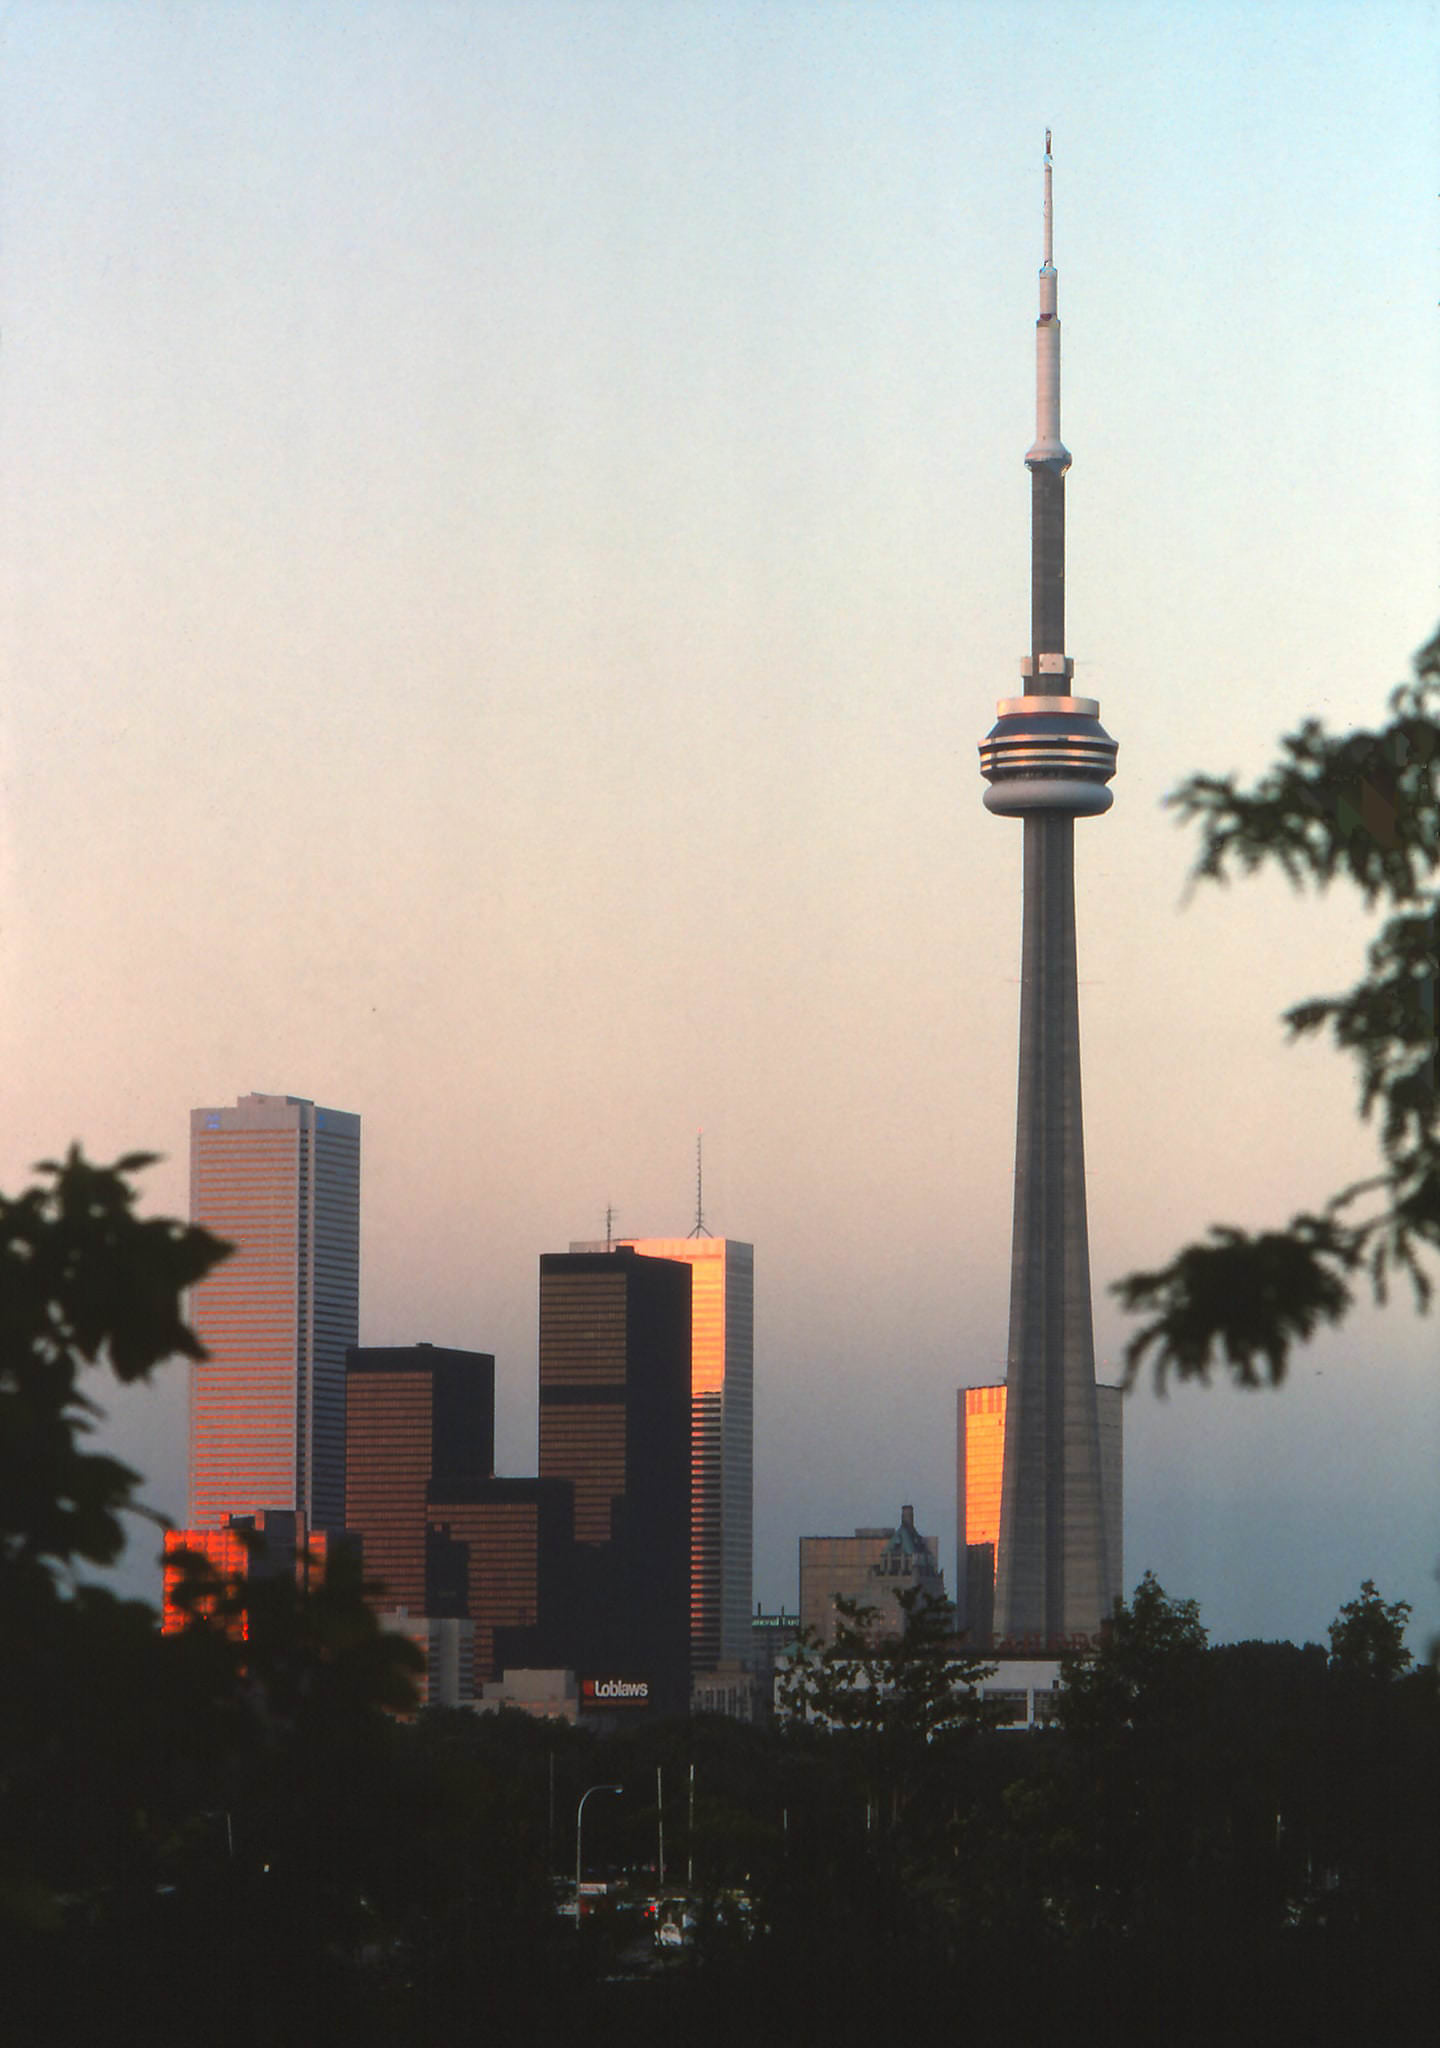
[984, 1459]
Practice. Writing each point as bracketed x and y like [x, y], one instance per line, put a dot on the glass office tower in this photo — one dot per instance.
[722, 1441]
[280, 1179]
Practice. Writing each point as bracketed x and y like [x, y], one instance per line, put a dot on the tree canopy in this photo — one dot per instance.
[84, 1281]
[219, 1831]
[1360, 809]
[901, 1686]
[1367, 1636]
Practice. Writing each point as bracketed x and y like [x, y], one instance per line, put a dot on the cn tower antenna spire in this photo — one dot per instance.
[1049, 207]
[1047, 461]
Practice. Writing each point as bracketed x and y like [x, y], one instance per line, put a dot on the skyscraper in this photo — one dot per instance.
[499, 1552]
[280, 1179]
[722, 1440]
[979, 1478]
[1048, 760]
[615, 1423]
[416, 1416]
[270, 1544]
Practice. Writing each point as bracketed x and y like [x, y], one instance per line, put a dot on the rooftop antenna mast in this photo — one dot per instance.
[699, 1230]
[609, 1226]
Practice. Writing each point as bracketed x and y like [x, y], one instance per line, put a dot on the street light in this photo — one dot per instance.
[579, 1817]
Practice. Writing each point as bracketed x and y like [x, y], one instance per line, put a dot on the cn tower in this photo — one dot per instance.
[1048, 760]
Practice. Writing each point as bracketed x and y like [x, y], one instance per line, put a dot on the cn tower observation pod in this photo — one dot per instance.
[1048, 754]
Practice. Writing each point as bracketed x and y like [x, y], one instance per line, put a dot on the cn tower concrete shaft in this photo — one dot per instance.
[1048, 760]
[1053, 1580]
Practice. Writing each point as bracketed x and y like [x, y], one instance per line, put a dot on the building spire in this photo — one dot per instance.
[1049, 668]
[1049, 451]
[699, 1230]
[1049, 207]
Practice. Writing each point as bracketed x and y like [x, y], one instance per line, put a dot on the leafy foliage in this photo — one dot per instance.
[124, 1749]
[1367, 1636]
[83, 1281]
[912, 1684]
[1145, 1669]
[1362, 808]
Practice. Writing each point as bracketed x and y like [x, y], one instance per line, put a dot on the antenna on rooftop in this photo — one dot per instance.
[699, 1230]
[609, 1226]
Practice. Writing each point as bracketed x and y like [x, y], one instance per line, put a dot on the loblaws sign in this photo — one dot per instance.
[1038, 1645]
[614, 1692]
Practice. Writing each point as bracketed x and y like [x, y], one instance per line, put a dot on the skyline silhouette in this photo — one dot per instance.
[514, 523]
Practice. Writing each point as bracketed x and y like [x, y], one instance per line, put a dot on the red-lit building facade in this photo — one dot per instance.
[279, 1178]
[249, 1548]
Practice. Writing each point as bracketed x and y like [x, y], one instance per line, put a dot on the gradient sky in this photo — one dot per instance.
[514, 527]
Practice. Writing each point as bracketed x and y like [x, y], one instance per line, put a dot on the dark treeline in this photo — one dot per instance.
[240, 1840]
[237, 1842]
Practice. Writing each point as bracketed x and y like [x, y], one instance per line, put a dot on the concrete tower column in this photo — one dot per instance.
[1052, 1568]
[1048, 761]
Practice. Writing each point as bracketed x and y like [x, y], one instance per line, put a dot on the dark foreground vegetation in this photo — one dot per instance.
[230, 1841]
[1357, 810]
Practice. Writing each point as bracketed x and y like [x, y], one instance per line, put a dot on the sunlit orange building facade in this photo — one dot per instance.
[279, 1178]
[979, 1475]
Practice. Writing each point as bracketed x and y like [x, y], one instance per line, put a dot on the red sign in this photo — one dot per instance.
[614, 1692]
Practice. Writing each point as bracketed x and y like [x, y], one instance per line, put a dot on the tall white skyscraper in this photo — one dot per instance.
[722, 1440]
[280, 1179]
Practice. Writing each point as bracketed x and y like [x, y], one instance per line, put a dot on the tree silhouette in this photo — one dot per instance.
[1363, 809]
[1367, 1636]
[170, 1806]
[84, 1283]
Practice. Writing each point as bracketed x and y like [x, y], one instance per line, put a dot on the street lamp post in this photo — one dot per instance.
[579, 1818]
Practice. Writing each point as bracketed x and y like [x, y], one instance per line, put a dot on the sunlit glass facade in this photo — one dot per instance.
[279, 1178]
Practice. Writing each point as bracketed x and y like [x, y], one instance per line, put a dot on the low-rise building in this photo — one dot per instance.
[872, 1569]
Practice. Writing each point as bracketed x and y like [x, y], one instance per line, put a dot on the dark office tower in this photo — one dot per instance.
[500, 1554]
[280, 1179]
[416, 1415]
[1048, 760]
[722, 1440]
[615, 1423]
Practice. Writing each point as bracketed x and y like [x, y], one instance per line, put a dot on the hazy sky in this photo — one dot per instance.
[514, 527]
